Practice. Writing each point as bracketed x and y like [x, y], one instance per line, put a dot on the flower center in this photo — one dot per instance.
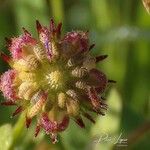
[55, 79]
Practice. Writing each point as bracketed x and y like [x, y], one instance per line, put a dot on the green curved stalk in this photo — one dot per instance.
[17, 130]
[57, 9]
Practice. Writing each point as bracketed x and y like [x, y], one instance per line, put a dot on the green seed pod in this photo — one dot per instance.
[31, 62]
[26, 76]
[40, 101]
[79, 72]
[81, 85]
[36, 97]
[39, 51]
[54, 48]
[61, 100]
[72, 94]
[26, 90]
[72, 107]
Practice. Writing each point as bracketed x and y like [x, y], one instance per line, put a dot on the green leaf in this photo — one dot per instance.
[5, 137]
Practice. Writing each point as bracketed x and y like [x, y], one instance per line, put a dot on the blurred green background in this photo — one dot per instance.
[119, 28]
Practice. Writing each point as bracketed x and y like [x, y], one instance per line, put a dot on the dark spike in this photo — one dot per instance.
[97, 111]
[58, 30]
[101, 113]
[80, 122]
[89, 117]
[111, 81]
[104, 106]
[91, 46]
[100, 58]
[28, 122]
[38, 26]
[52, 26]
[8, 103]
[17, 111]
[8, 41]
[25, 31]
[37, 130]
[103, 98]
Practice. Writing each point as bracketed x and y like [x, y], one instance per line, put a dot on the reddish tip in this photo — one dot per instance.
[58, 30]
[37, 130]
[55, 30]
[5, 57]
[28, 122]
[17, 111]
[80, 122]
[100, 58]
[8, 103]
[64, 124]
[52, 26]
[25, 31]
[89, 117]
[38, 26]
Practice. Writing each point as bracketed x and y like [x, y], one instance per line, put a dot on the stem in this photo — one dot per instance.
[57, 9]
[18, 130]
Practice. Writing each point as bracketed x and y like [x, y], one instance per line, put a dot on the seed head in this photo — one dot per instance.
[54, 78]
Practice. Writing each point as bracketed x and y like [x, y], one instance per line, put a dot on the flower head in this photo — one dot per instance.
[53, 78]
